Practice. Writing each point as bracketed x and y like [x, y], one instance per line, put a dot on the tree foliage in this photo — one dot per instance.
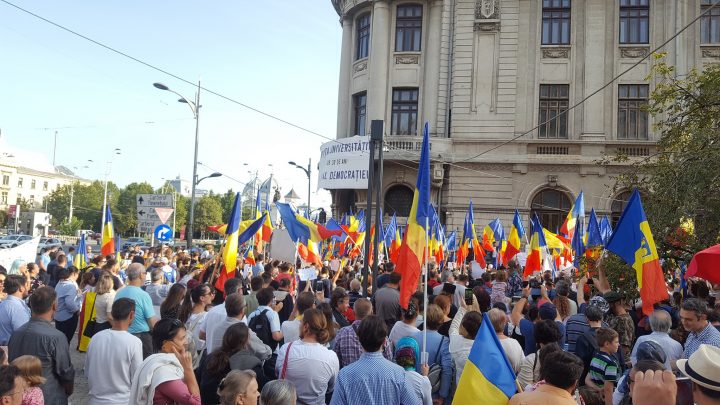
[680, 184]
[125, 220]
[208, 211]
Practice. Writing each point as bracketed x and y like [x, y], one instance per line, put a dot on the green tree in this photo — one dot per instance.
[125, 217]
[208, 211]
[680, 184]
[226, 201]
[70, 228]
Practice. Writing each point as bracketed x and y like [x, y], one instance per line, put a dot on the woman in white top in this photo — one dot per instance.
[103, 301]
[405, 327]
[192, 313]
[307, 363]
[463, 329]
[512, 348]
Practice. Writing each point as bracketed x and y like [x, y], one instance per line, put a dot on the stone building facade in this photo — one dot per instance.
[485, 73]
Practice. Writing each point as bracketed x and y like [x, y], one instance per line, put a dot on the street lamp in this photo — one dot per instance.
[107, 173]
[216, 174]
[307, 171]
[195, 108]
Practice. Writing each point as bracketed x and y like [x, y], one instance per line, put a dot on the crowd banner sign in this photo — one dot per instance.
[344, 163]
[26, 251]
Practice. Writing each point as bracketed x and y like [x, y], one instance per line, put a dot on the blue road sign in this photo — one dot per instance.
[163, 233]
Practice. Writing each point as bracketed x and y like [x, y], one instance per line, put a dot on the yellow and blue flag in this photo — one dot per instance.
[412, 250]
[81, 260]
[605, 229]
[488, 377]
[108, 237]
[633, 241]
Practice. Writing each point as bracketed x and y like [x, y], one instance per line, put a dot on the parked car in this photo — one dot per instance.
[132, 242]
[12, 241]
[48, 243]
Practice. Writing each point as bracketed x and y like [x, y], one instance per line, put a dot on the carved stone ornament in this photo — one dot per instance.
[639, 52]
[487, 26]
[555, 53]
[711, 52]
[407, 59]
[359, 67]
[487, 10]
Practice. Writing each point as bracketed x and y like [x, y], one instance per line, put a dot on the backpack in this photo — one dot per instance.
[260, 324]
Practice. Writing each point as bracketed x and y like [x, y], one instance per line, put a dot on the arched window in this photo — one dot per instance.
[399, 199]
[551, 206]
[618, 205]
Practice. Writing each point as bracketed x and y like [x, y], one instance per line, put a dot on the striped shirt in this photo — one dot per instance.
[603, 368]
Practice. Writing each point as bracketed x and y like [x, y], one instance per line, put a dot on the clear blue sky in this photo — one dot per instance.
[280, 56]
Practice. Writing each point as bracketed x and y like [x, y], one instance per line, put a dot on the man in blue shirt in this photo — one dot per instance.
[373, 380]
[13, 311]
[693, 315]
[259, 266]
[145, 317]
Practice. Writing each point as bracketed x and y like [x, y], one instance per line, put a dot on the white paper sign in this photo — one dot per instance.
[334, 264]
[307, 274]
[344, 163]
[27, 251]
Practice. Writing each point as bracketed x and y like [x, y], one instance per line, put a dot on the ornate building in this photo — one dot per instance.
[486, 73]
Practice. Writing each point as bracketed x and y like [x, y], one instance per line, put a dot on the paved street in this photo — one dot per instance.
[80, 395]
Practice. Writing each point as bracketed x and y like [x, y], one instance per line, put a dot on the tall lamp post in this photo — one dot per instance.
[116, 151]
[307, 171]
[195, 108]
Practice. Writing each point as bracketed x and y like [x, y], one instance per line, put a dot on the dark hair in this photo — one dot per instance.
[561, 301]
[305, 301]
[232, 285]
[42, 300]
[256, 283]
[328, 312]
[192, 297]
[546, 331]
[8, 374]
[316, 321]
[594, 313]
[562, 369]
[266, 277]
[122, 308]
[337, 296]
[605, 335]
[372, 333]
[389, 267]
[501, 306]
[695, 305]
[173, 301]
[542, 356]
[13, 283]
[235, 339]
[265, 295]
[707, 391]
[483, 298]
[471, 322]
[234, 305]
[394, 278]
[165, 329]
[65, 272]
[591, 396]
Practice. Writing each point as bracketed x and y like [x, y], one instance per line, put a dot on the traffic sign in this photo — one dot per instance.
[163, 233]
[148, 205]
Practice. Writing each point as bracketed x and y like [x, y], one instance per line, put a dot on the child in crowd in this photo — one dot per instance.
[499, 286]
[31, 371]
[604, 368]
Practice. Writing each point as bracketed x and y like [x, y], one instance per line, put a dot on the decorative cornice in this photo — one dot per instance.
[710, 51]
[487, 26]
[487, 10]
[360, 66]
[407, 59]
[556, 52]
[634, 51]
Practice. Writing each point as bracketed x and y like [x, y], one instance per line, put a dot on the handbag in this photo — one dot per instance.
[284, 367]
[91, 326]
[435, 372]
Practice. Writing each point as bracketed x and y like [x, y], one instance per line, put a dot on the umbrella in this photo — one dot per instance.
[706, 265]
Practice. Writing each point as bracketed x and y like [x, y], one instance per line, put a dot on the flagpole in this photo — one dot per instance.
[424, 355]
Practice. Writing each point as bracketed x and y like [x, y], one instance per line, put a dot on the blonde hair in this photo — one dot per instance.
[104, 284]
[234, 384]
[30, 369]
[498, 319]
[501, 276]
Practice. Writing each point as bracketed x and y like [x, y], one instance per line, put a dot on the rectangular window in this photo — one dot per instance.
[32, 184]
[45, 186]
[710, 22]
[362, 34]
[359, 113]
[634, 21]
[20, 182]
[554, 99]
[32, 200]
[404, 112]
[556, 22]
[632, 118]
[408, 28]
[6, 180]
[4, 198]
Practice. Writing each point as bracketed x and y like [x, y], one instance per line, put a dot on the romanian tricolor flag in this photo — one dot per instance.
[492, 233]
[249, 256]
[478, 250]
[393, 239]
[517, 233]
[537, 248]
[80, 260]
[232, 232]
[577, 213]
[488, 377]
[108, 235]
[633, 241]
[412, 250]
[302, 229]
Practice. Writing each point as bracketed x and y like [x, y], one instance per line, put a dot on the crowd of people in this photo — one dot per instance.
[163, 330]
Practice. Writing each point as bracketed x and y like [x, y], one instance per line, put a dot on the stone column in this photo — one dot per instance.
[380, 55]
[346, 56]
[431, 63]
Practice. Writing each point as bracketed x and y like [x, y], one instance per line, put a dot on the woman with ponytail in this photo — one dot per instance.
[307, 363]
[564, 305]
[192, 313]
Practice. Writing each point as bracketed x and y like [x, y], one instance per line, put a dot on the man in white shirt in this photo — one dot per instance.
[266, 301]
[112, 358]
[291, 328]
[217, 313]
[235, 311]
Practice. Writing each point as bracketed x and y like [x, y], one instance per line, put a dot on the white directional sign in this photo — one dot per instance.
[147, 211]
